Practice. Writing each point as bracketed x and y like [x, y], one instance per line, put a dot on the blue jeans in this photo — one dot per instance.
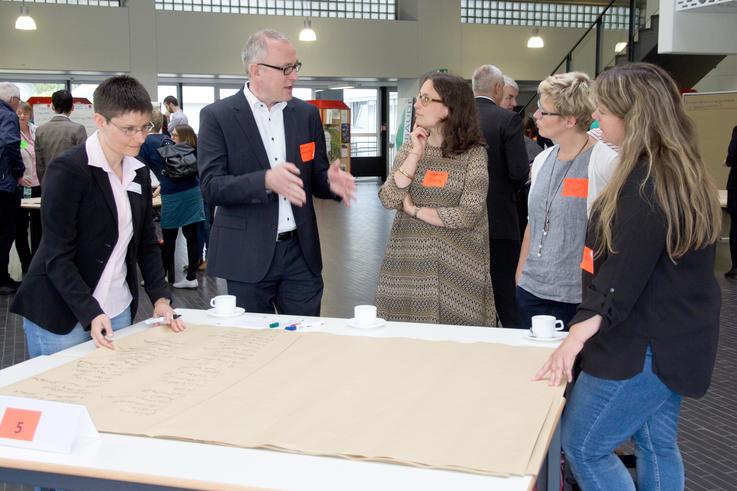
[530, 305]
[602, 414]
[43, 342]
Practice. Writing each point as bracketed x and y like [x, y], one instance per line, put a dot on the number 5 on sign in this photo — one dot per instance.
[43, 425]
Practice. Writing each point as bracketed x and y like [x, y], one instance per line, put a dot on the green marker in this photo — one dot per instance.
[274, 324]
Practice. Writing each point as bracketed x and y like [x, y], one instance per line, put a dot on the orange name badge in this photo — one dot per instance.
[574, 187]
[307, 151]
[435, 179]
[19, 424]
[587, 263]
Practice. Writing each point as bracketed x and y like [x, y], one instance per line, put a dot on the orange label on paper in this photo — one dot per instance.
[307, 151]
[574, 187]
[587, 263]
[435, 179]
[19, 424]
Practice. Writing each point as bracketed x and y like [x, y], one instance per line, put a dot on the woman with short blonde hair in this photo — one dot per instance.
[648, 325]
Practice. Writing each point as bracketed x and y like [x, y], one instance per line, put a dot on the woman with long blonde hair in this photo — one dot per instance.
[648, 325]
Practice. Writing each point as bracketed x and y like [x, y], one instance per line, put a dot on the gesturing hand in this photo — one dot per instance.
[284, 180]
[341, 182]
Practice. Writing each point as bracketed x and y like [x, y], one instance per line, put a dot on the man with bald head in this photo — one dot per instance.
[508, 170]
[261, 156]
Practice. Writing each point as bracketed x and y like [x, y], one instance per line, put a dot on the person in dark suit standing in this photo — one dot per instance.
[731, 162]
[508, 171]
[98, 228]
[262, 157]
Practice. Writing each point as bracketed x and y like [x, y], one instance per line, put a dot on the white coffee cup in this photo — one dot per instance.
[223, 304]
[545, 326]
[364, 315]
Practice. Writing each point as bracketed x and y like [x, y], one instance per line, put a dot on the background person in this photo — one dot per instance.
[175, 113]
[181, 201]
[31, 189]
[96, 213]
[436, 265]
[648, 326]
[731, 162]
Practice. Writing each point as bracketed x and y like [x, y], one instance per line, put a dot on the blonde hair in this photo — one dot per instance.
[570, 94]
[659, 135]
[157, 119]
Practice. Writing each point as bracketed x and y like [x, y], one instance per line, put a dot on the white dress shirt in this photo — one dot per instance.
[112, 292]
[270, 123]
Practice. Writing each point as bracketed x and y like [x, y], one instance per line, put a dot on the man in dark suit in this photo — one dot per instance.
[59, 133]
[262, 157]
[508, 170]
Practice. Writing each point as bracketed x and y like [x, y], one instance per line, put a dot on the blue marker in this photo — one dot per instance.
[291, 327]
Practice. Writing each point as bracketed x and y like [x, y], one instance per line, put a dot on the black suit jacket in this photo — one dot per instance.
[508, 166]
[731, 162]
[80, 229]
[233, 162]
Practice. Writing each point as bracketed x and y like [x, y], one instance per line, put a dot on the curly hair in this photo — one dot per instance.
[461, 127]
[570, 94]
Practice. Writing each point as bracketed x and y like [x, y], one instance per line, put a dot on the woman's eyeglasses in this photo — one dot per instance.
[287, 70]
[425, 99]
[132, 130]
[544, 113]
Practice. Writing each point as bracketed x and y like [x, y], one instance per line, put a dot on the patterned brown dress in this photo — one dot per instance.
[435, 274]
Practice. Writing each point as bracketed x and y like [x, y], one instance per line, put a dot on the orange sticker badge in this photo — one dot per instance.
[575, 187]
[435, 179]
[307, 151]
[19, 424]
[587, 263]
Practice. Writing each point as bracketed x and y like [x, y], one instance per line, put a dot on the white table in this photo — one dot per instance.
[127, 462]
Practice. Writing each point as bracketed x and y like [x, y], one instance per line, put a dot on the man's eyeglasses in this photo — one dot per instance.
[544, 113]
[425, 99]
[132, 130]
[287, 70]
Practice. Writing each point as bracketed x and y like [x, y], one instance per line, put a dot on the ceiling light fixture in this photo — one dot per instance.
[535, 40]
[307, 34]
[25, 22]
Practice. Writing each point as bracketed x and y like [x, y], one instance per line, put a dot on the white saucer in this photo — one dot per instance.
[238, 311]
[557, 336]
[377, 323]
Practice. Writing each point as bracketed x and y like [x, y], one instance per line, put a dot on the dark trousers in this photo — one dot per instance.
[289, 286]
[203, 230]
[733, 238]
[504, 258]
[26, 216]
[170, 244]
[531, 305]
[9, 204]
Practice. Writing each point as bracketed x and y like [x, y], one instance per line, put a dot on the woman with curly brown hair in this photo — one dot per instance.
[436, 266]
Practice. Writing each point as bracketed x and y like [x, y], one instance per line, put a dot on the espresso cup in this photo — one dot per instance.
[223, 304]
[364, 315]
[545, 326]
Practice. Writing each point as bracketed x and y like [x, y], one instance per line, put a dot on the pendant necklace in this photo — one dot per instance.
[549, 199]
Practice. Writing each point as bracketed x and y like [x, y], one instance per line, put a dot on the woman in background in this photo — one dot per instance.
[436, 267]
[181, 201]
[31, 189]
[648, 325]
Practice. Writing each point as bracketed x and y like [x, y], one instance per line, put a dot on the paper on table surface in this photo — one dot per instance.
[467, 407]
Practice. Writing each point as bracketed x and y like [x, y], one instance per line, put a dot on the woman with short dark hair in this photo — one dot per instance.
[436, 267]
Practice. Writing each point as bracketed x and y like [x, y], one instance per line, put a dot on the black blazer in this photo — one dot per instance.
[80, 229]
[508, 167]
[644, 297]
[233, 162]
[731, 162]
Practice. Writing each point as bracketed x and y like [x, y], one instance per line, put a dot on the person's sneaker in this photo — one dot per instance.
[731, 274]
[185, 283]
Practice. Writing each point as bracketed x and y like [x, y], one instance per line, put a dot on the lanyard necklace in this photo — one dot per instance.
[549, 199]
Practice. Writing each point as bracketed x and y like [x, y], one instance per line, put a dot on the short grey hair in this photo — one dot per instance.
[255, 49]
[8, 91]
[509, 82]
[485, 78]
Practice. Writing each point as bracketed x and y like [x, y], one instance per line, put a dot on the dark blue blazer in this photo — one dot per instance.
[80, 229]
[232, 164]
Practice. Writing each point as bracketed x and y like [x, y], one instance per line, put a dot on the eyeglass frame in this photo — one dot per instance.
[545, 113]
[287, 70]
[132, 131]
[425, 100]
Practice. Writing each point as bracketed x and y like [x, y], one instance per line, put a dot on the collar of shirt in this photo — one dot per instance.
[255, 104]
[485, 97]
[96, 158]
